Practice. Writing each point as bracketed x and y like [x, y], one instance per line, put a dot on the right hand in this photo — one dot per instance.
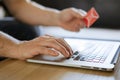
[47, 45]
[71, 19]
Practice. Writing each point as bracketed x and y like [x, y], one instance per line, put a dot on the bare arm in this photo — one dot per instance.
[7, 43]
[36, 14]
[32, 13]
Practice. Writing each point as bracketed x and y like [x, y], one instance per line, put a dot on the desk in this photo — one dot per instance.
[21, 70]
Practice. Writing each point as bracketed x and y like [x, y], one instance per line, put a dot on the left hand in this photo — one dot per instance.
[47, 45]
[71, 19]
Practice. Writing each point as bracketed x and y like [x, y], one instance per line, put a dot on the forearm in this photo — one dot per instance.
[32, 13]
[7, 43]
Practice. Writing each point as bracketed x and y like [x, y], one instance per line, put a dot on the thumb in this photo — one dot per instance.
[78, 13]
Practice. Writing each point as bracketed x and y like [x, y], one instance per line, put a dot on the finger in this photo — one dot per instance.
[76, 13]
[64, 43]
[82, 12]
[47, 51]
[79, 13]
[77, 25]
[82, 24]
[52, 43]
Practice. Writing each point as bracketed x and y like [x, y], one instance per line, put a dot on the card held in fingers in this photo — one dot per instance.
[91, 17]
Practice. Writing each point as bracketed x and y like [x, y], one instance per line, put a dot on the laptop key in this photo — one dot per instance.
[77, 58]
[83, 58]
[76, 53]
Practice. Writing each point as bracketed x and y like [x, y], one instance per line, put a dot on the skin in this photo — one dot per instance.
[36, 14]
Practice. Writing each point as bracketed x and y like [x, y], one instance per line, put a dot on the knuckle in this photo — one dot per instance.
[52, 40]
[40, 38]
[58, 39]
[59, 48]
[72, 9]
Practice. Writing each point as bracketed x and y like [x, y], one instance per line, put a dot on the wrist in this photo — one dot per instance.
[51, 17]
[9, 49]
[57, 19]
[15, 51]
[8, 45]
[54, 19]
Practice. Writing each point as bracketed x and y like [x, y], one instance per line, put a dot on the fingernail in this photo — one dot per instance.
[56, 53]
[68, 58]
[68, 54]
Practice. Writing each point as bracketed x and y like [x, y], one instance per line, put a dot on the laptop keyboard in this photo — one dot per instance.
[97, 53]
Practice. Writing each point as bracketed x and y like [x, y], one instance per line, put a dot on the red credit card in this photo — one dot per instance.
[91, 17]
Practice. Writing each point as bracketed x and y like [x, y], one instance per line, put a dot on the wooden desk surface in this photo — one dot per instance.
[22, 70]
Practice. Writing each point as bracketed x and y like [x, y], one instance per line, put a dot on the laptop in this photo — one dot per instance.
[88, 53]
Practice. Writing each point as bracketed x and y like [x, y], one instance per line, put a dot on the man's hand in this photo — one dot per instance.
[71, 19]
[47, 45]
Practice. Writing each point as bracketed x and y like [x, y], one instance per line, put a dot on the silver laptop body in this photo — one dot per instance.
[88, 53]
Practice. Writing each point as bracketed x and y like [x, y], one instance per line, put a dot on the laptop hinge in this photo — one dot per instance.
[114, 61]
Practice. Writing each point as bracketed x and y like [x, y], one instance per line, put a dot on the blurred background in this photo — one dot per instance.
[109, 11]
